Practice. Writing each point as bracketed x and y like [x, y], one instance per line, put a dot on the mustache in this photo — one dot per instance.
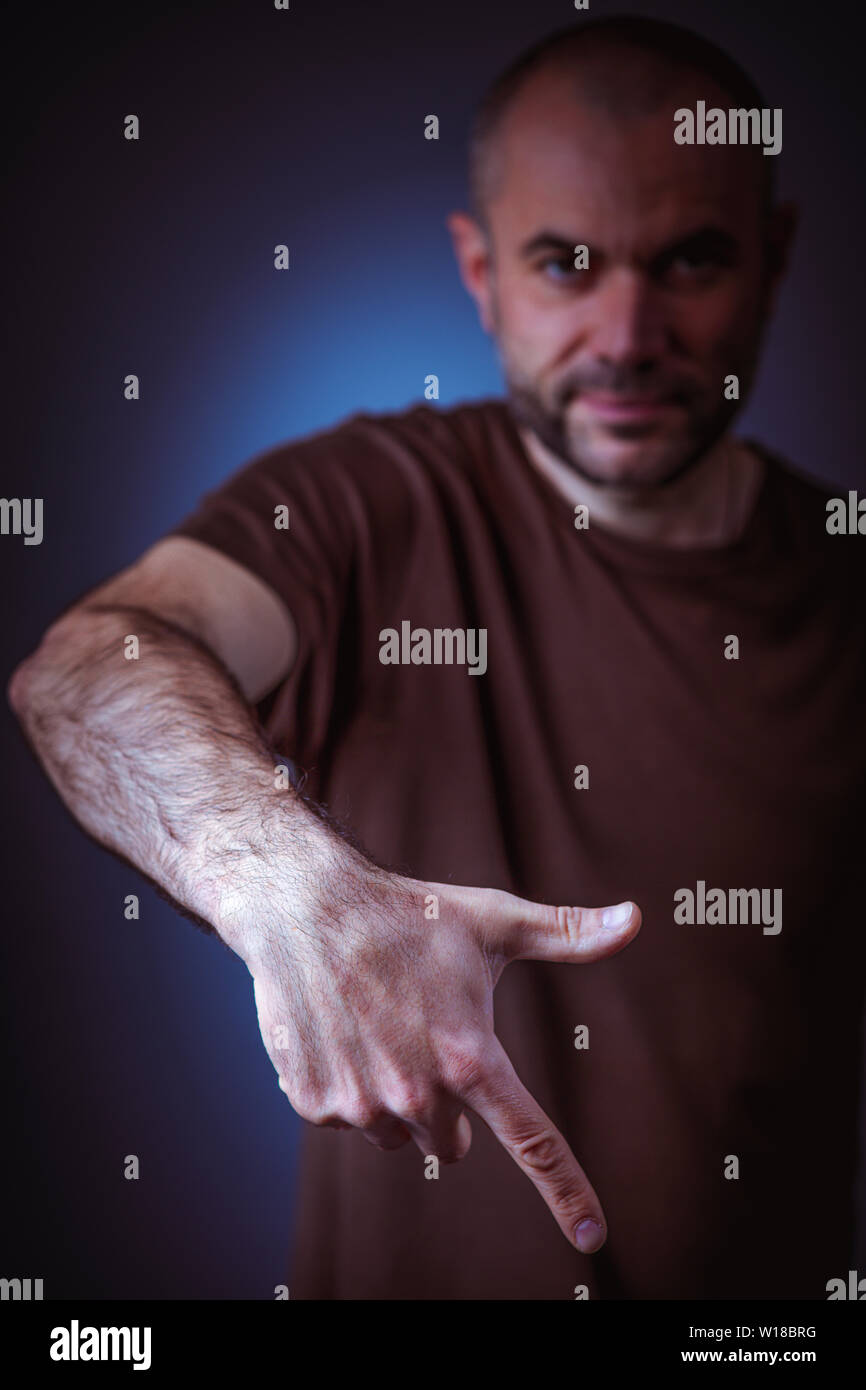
[624, 381]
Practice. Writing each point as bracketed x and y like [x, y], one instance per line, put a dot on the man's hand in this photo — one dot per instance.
[379, 1017]
[374, 1014]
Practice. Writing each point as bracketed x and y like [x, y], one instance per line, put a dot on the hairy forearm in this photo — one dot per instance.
[161, 760]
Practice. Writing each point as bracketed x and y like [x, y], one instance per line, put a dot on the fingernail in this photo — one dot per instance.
[616, 916]
[588, 1236]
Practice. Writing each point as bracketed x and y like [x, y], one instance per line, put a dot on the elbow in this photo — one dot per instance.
[25, 684]
[17, 687]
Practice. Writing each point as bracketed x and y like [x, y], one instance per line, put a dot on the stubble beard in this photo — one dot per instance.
[659, 464]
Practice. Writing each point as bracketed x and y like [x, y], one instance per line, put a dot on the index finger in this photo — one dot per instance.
[539, 1150]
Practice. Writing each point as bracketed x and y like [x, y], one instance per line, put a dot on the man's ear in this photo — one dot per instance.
[474, 261]
[779, 239]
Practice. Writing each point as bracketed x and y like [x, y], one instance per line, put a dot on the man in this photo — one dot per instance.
[580, 647]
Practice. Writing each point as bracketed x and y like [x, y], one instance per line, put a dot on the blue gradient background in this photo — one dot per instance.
[261, 127]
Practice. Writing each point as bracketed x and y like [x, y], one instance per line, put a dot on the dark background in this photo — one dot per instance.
[257, 127]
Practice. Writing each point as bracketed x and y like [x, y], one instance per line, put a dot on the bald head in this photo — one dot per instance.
[626, 275]
[623, 68]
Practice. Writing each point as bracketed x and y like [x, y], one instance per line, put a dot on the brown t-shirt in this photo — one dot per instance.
[712, 1045]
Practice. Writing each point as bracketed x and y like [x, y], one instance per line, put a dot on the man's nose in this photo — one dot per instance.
[628, 320]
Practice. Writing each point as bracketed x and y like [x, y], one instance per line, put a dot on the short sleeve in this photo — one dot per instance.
[280, 516]
[308, 518]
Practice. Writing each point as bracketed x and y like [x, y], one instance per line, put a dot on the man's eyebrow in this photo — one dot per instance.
[547, 240]
[710, 239]
[707, 238]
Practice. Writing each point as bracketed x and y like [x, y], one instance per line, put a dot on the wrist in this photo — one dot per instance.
[249, 874]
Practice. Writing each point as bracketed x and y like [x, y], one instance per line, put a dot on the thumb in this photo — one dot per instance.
[525, 930]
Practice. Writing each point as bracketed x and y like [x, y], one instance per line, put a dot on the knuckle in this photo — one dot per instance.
[313, 1113]
[569, 921]
[463, 1063]
[335, 1109]
[482, 901]
[359, 1114]
[499, 900]
[410, 1101]
[306, 1101]
[540, 1152]
[311, 1105]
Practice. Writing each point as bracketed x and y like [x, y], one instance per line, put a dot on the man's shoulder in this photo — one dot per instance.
[796, 480]
[374, 475]
[820, 514]
[418, 437]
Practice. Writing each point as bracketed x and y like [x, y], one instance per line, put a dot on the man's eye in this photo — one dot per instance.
[560, 268]
[694, 260]
[695, 267]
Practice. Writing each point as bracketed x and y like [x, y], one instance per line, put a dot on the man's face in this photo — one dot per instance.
[620, 368]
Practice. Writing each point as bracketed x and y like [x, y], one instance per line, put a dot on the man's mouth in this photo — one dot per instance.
[611, 406]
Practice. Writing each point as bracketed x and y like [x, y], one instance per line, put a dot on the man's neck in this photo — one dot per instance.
[708, 506]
